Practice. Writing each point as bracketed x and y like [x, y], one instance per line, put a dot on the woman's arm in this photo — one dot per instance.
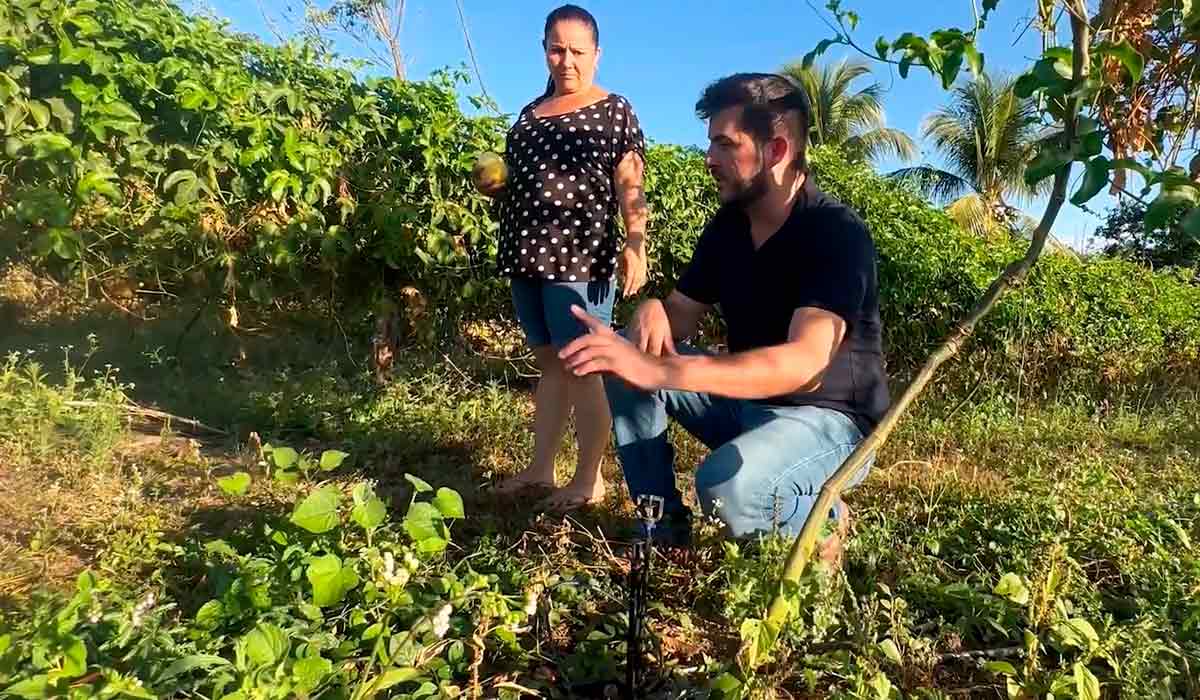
[631, 195]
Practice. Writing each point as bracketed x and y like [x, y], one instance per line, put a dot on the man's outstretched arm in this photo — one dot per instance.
[814, 336]
[796, 365]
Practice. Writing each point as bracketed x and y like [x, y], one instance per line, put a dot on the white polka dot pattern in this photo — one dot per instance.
[572, 242]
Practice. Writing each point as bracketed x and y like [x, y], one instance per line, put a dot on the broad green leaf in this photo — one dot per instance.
[40, 114]
[395, 676]
[1129, 57]
[422, 521]
[882, 686]
[310, 671]
[177, 177]
[119, 110]
[266, 644]
[811, 56]
[432, 545]
[47, 144]
[32, 689]
[192, 663]
[284, 457]
[84, 583]
[289, 477]
[83, 91]
[98, 183]
[450, 504]
[890, 650]
[950, 67]
[75, 656]
[758, 638]
[1087, 686]
[41, 56]
[1095, 177]
[65, 243]
[330, 580]
[1013, 588]
[210, 615]
[1000, 667]
[418, 483]
[1076, 633]
[974, 59]
[1167, 204]
[369, 514]
[1047, 162]
[727, 687]
[235, 484]
[14, 116]
[332, 459]
[319, 511]
[882, 46]
[87, 25]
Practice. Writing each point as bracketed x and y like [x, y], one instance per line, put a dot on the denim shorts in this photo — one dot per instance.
[544, 308]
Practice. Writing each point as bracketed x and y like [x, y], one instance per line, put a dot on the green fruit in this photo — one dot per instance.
[490, 173]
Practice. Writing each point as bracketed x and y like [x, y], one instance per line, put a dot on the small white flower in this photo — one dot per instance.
[441, 621]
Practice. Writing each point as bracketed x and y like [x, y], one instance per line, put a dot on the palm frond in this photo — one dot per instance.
[933, 183]
[881, 143]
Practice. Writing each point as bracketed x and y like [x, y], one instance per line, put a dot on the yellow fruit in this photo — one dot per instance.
[490, 173]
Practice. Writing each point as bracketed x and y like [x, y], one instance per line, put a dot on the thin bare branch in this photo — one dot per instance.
[1013, 275]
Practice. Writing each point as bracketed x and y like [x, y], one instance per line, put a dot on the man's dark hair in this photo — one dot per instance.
[568, 13]
[768, 100]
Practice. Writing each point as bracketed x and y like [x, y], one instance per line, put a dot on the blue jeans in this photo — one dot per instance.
[544, 308]
[767, 465]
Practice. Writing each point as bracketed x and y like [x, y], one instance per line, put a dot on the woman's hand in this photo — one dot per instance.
[633, 266]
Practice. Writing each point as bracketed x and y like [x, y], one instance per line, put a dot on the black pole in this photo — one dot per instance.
[649, 511]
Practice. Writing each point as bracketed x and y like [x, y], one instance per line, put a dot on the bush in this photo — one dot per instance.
[148, 146]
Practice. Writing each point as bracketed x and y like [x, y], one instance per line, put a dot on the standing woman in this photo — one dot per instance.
[575, 157]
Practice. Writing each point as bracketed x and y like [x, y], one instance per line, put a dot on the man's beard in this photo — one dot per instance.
[747, 192]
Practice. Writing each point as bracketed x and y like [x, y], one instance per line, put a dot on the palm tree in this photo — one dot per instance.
[852, 121]
[987, 136]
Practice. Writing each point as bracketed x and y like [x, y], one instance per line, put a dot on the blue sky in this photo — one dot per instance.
[661, 53]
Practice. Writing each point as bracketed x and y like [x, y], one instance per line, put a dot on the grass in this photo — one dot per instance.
[1087, 515]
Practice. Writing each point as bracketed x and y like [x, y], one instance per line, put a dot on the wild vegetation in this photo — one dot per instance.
[204, 224]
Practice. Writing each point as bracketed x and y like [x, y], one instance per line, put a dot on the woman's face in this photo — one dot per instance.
[571, 56]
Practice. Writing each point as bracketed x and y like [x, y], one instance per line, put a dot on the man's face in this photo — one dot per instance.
[735, 160]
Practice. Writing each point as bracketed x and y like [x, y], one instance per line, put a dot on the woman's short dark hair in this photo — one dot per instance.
[569, 13]
[768, 100]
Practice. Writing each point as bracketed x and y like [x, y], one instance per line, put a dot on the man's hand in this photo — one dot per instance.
[633, 268]
[650, 329]
[602, 350]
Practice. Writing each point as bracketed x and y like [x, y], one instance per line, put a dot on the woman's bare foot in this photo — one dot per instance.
[575, 495]
[525, 480]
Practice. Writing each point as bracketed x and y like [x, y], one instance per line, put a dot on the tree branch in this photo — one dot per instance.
[1013, 275]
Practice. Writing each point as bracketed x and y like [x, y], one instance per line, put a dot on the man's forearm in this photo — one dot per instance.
[754, 374]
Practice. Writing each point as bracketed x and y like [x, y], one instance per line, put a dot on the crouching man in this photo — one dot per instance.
[792, 271]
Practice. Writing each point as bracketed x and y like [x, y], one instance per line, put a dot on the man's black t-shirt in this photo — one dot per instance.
[823, 257]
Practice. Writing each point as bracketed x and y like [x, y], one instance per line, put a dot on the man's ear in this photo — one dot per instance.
[778, 151]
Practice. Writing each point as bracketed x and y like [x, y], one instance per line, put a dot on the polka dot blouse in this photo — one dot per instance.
[558, 221]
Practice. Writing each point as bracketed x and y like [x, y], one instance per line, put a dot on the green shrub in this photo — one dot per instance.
[144, 144]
